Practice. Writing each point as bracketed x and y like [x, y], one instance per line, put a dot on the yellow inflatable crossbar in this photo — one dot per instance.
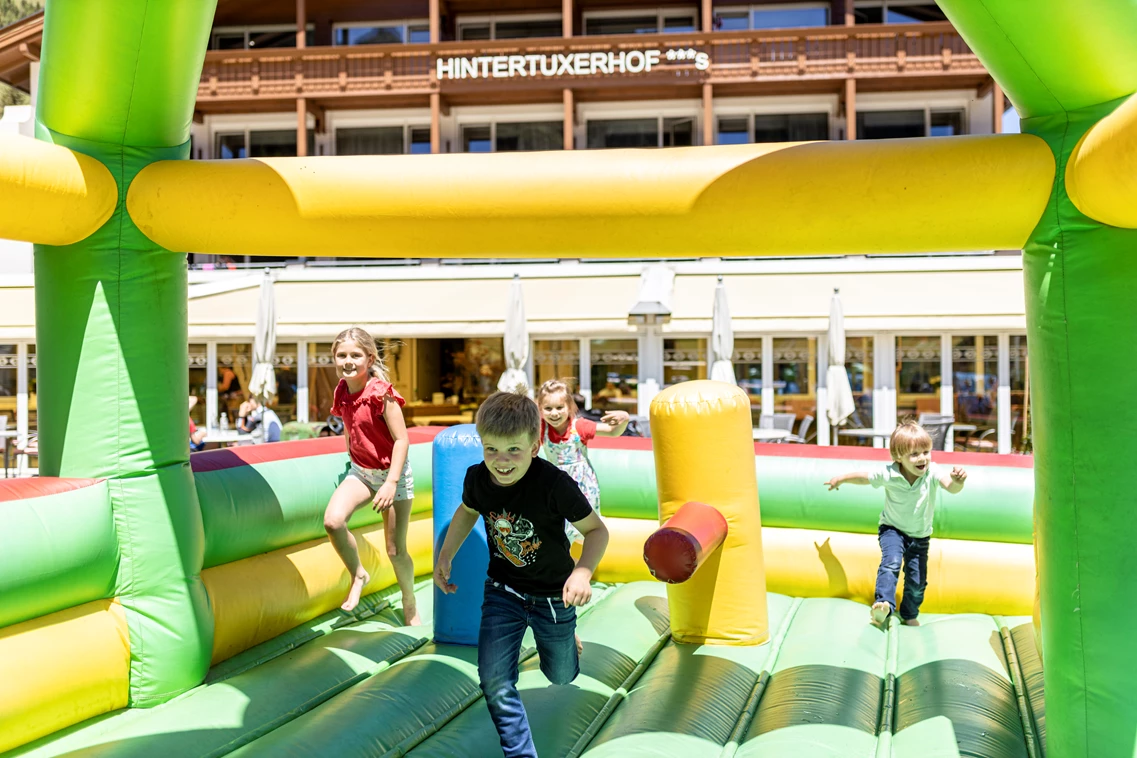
[1101, 175]
[964, 576]
[949, 194]
[258, 598]
[51, 195]
[60, 669]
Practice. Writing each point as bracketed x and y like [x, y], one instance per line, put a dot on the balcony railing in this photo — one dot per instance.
[832, 52]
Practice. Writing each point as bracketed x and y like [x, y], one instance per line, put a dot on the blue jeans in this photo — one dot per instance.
[505, 615]
[898, 548]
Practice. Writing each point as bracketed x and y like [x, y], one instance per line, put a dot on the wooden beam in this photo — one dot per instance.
[435, 14]
[301, 24]
[708, 20]
[708, 114]
[319, 113]
[566, 18]
[301, 127]
[30, 50]
[435, 122]
[850, 108]
[198, 117]
[997, 107]
[570, 120]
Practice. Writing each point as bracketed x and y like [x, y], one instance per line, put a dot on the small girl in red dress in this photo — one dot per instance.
[380, 475]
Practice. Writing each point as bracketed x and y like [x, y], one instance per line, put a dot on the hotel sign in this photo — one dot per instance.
[566, 64]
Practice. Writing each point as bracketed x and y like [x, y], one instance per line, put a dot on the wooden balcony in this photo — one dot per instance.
[911, 53]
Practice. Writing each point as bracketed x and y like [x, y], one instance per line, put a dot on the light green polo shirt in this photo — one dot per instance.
[908, 507]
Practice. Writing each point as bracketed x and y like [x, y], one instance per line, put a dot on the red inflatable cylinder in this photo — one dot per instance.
[674, 552]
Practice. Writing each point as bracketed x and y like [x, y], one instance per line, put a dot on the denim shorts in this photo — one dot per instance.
[375, 477]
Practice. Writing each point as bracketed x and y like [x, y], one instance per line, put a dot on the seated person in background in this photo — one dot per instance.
[196, 436]
[258, 421]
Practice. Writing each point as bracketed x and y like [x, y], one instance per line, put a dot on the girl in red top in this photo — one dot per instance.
[380, 475]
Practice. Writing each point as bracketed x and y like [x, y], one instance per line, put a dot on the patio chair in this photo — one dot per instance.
[988, 440]
[803, 428]
[937, 426]
[25, 450]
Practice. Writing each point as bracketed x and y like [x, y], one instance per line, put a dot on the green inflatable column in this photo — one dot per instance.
[1081, 288]
[118, 82]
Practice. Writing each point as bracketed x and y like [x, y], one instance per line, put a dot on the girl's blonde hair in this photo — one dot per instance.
[367, 343]
[552, 387]
[908, 438]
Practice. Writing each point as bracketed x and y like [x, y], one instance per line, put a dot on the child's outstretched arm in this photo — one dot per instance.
[578, 587]
[856, 477]
[393, 415]
[953, 482]
[612, 424]
[460, 526]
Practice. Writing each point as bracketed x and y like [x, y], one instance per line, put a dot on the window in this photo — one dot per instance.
[472, 28]
[918, 376]
[946, 123]
[378, 140]
[198, 368]
[795, 376]
[607, 22]
[284, 363]
[477, 139]
[274, 143]
[897, 12]
[975, 385]
[322, 380]
[615, 374]
[257, 37]
[890, 124]
[771, 17]
[532, 135]
[555, 359]
[382, 33]
[684, 360]
[641, 132]
[229, 146]
[734, 131]
[747, 362]
[419, 140]
[234, 365]
[859, 363]
[1020, 387]
[793, 127]
[8, 361]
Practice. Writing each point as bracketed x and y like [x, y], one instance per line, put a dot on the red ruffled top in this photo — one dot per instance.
[369, 441]
[585, 428]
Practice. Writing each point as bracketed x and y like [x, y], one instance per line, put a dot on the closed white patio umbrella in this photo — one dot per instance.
[840, 401]
[262, 383]
[722, 338]
[516, 342]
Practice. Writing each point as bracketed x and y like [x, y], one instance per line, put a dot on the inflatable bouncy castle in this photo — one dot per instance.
[150, 603]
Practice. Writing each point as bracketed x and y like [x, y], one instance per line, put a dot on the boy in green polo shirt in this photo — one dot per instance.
[911, 485]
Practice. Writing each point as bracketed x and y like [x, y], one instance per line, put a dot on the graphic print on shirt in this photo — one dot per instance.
[514, 537]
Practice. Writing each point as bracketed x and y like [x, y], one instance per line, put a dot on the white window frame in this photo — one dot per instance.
[400, 22]
[247, 30]
[495, 116]
[491, 19]
[889, 102]
[585, 377]
[690, 12]
[750, 9]
[749, 107]
[665, 110]
[406, 125]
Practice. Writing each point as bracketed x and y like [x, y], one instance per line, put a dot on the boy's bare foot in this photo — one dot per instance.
[579, 645]
[410, 615]
[912, 622]
[880, 613]
[357, 584]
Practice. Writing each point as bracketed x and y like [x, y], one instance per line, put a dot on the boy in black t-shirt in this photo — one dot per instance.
[525, 502]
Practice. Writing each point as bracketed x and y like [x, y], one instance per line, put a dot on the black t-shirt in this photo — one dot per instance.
[525, 525]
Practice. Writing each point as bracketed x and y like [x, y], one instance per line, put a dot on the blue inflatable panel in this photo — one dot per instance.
[458, 616]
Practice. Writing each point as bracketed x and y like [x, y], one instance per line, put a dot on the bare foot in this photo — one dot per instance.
[357, 585]
[880, 613]
[912, 622]
[410, 615]
[579, 645]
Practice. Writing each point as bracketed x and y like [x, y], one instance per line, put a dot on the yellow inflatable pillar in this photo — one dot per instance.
[704, 451]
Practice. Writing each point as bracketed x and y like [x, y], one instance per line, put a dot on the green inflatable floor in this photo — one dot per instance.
[827, 684]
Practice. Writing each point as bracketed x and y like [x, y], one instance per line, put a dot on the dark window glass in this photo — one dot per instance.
[372, 140]
[678, 132]
[420, 140]
[262, 39]
[890, 124]
[418, 33]
[278, 143]
[732, 21]
[230, 146]
[622, 25]
[476, 139]
[474, 31]
[733, 131]
[370, 35]
[914, 14]
[947, 123]
[790, 18]
[679, 24]
[535, 135]
[632, 132]
[229, 41]
[524, 29]
[791, 127]
[869, 15]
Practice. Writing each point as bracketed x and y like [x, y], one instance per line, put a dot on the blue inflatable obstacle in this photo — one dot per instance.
[457, 616]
